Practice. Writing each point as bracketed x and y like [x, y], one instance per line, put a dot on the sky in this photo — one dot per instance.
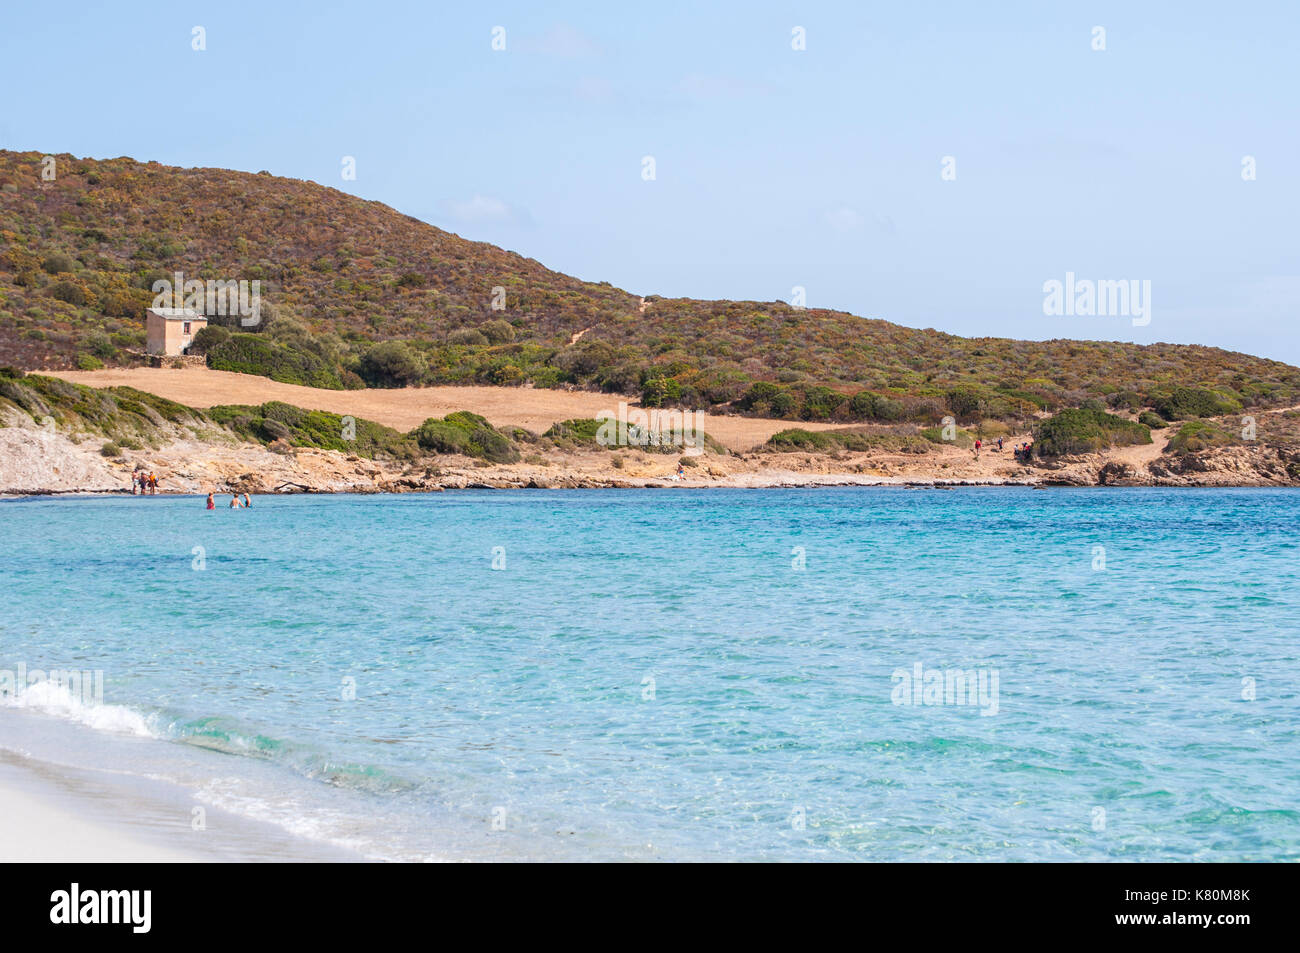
[775, 168]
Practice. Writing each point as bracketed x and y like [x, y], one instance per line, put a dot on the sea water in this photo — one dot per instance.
[683, 674]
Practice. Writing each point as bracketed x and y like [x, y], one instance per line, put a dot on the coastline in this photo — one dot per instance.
[52, 811]
[39, 463]
[38, 460]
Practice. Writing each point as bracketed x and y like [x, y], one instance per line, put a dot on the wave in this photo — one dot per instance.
[53, 697]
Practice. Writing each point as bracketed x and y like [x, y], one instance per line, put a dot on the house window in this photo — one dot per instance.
[186, 329]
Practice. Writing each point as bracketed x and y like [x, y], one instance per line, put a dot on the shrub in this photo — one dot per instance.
[659, 391]
[1152, 420]
[254, 354]
[1198, 435]
[207, 338]
[110, 449]
[276, 423]
[497, 332]
[467, 336]
[392, 364]
[966, 401]
[101, 345]
[1183, 402]
[820, 403]
[88, 362]
[758, 398]
[468, 434]
[69, 291]
[58, 263]
[578, 431]
[962, 438]
[827, 441]
[1080, 430]
[864, 405]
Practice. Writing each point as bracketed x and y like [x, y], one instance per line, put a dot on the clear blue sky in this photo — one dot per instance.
[775, 167]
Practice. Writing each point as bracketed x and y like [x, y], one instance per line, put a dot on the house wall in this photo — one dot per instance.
[155, 329]
[168, 337]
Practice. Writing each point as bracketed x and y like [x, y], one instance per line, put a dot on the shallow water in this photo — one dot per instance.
[686, 674]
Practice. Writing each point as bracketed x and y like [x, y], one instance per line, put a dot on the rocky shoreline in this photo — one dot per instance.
[36, 461]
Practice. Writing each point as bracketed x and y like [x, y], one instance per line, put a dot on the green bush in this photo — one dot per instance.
[58, 263]
[1152, 420]
[392, 364]
[962, 438]
[69, 291]
[1198, 435]
[1181, 403]
[856, 441]
[101, 345]
[1082, 430]
[275, 420]
[110, 449]
[497, 332]
[659, 391]
[864, 405]
[208, 337]
[88, 362]
[254, 354]
[465, 433]
[467, 336]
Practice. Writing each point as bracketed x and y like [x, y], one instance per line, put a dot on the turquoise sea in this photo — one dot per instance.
[683, 674]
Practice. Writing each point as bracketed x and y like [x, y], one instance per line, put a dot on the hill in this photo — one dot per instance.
[356, 294]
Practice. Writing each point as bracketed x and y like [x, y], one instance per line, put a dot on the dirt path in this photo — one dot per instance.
[407, 408]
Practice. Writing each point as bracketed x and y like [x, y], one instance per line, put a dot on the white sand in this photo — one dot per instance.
[32, 830]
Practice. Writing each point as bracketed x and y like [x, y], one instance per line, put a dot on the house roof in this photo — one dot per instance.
[178, 314]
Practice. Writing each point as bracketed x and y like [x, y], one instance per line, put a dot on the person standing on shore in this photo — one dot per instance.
[153, 482]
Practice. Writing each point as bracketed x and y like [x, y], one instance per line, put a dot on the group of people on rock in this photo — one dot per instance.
[234, 502]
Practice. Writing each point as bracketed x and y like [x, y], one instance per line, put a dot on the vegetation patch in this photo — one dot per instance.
[1197, 435]
[1180, 403]
[1086, 430]
[321, 429]
[256, 354]
[853, 441]
[468, 434]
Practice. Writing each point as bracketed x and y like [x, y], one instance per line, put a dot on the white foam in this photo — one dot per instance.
[52, 697]
[286, 812]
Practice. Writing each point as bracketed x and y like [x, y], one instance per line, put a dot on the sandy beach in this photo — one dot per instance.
[32, 830]
[55, 812]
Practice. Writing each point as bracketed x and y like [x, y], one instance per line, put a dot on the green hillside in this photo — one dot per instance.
[356, 294]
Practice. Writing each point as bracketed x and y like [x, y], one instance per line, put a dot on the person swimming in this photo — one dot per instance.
[247, 501]
[212, 503]
[234, 502]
